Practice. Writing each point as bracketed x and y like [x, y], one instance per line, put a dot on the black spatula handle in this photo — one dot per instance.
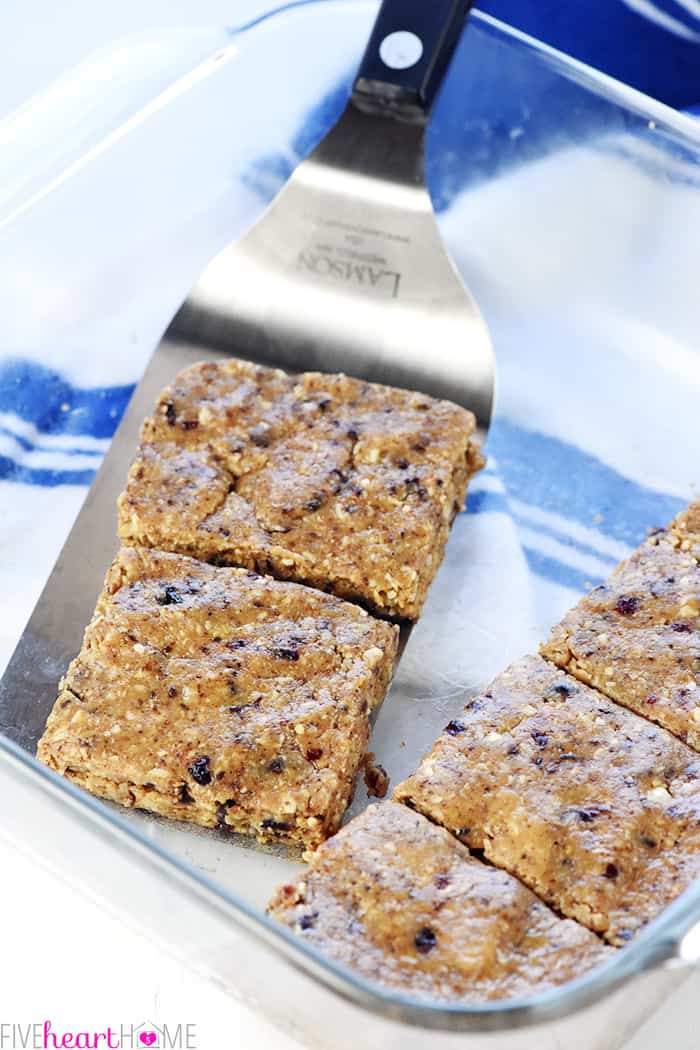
[408, 53]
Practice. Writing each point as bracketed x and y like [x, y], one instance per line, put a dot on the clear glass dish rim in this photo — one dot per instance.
[685, 126]
[656, 945]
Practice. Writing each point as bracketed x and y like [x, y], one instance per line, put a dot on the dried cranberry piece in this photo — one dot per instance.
[286, 654]
[425, 940]
[414, 485]
[221, 811]
[562, 689]
[170, 596]
[237, 709]
[611, 871]
[200, 772]
[269, 824]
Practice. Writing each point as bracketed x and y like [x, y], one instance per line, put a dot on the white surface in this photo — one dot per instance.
[66, 960]
[62, 957]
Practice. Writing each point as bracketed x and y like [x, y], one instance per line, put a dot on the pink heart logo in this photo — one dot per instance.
[148, 1038]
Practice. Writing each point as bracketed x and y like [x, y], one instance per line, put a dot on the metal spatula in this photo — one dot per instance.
[346, 271]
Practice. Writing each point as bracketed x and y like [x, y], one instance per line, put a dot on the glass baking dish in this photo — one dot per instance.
[571, 205]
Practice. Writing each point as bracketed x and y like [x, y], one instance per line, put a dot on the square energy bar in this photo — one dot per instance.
[326, 480]
[594, 808]
[221, 697]
[636, 638]
[403, 903]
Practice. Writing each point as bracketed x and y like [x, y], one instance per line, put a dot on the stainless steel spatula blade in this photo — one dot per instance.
[346, 271]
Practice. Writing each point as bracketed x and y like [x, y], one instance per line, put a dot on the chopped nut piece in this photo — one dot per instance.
[376, 777]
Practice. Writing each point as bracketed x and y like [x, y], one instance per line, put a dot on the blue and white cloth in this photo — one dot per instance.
[575, 475]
